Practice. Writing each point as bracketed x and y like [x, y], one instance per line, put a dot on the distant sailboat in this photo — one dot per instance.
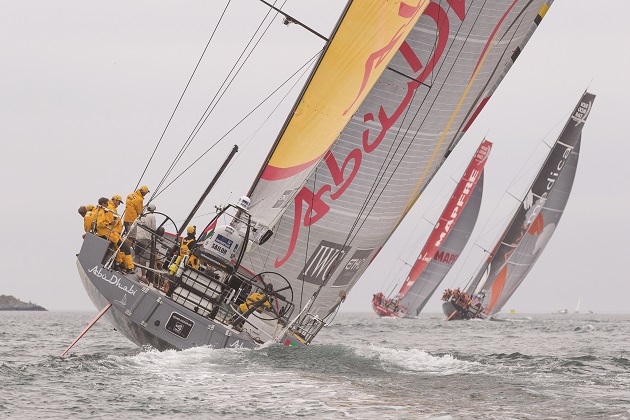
[530, 229]
[444, 245]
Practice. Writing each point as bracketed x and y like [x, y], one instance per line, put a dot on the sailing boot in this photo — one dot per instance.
[128, 262]
[118, 262]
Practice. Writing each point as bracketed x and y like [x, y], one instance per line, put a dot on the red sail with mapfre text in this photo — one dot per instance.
[449, 216]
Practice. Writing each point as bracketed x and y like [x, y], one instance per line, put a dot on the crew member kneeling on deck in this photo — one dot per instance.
[251, 299]
[186, 246]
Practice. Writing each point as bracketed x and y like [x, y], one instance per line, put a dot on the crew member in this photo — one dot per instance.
[104, 218]
[252, 304]
[88, 219]
[123, 257]
[83, 211]
[187, 246]
[251, 299]
[134, 206]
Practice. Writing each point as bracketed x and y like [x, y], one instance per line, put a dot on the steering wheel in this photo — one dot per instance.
[272, 293]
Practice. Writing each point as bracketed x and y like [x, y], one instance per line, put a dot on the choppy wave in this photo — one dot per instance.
[361, 367]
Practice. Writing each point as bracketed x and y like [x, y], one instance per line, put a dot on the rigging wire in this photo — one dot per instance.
[243, 145]
[485, 87]
[183, 93]
[218, 96]
[235, 126]
[497, 223]
[508, 219]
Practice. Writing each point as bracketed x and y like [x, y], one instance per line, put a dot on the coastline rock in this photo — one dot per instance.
[10, 303]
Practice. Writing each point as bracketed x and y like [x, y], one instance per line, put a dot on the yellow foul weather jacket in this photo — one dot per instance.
[133, 206]
[104, 220]
[253, 298]
[88, 220]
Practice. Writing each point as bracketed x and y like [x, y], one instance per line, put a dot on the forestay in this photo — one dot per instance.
[536, 217]
[330, 228]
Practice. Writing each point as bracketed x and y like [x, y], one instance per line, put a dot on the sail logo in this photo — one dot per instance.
[483, 152]
[114, 280]
[445, 257]
[462, 200]
[353, 265]
[581, 113]
[323, 262]
[283, 199]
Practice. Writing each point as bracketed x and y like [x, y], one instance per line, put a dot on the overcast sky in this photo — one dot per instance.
[87, 89]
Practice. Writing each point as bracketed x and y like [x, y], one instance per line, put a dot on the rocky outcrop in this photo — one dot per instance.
[10, 303]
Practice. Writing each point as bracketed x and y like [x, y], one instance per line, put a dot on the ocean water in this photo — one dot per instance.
[521, 367]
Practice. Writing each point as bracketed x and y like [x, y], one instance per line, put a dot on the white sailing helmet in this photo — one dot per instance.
[243, 202]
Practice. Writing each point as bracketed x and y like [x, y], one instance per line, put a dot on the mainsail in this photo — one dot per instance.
[330, 222]
[448, 238]
[535, 220]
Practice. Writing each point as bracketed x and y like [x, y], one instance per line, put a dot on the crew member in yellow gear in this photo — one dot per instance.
[134, 206]
[124, 254]
[88, 219]
[186, 247]
[104, 218]
[251, 299]
[250, 303]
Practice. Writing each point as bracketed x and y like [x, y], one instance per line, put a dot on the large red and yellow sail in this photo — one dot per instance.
[365, 40]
